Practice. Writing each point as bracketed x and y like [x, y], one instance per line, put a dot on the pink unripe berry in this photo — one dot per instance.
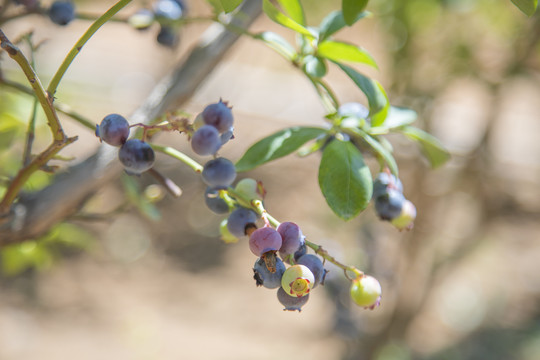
[263, 240]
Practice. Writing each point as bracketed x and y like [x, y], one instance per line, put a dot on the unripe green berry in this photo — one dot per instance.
[405, 220]
[297, 280]
[366, 292]
[247, 189]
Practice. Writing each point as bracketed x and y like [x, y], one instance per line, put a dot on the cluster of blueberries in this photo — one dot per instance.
[136, 155]
[390, 204]
[305, 272]
[282, 259]
[166, 12]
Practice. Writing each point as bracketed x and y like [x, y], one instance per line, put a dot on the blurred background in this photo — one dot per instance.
[156, 282]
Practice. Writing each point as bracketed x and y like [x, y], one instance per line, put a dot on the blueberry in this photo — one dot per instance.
[136, 156]
[239, 219]
[214, 201]
[168, 9]
[264, 277]
[291, 303]
[292, 237]
[142, 19]
[226, 136]
[297, 280]
[388, 206]
[62, 12]
[206, 140]
[219, 172]
[167, 36]
[264, 240]
[218, 115]
[383, 181]
[114, 130]
[315, 265]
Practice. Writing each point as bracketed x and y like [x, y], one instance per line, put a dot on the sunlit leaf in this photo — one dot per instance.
[230, 5]
[278, 43]
[351, 9]
[294, 9]
[528, 7]
[375, 94]
[334, 22]
[341, 51]
[277, 145]
[274, 14]
[432, 148]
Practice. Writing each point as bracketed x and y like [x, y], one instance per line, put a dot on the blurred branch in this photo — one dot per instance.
[37, 212]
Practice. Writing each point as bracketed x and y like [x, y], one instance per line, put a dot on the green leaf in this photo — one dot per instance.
[380, 150]
[372, 89]
[278, 43]
[274, 14]
[216, 5]
[344, 179]
[379, 118]
[397, 117]
[294, 9]
[432, 148]
[351, 9]
[334, 22]
[277, 145]
[315, 66]
[230, 5]
[341, 51]
[528, 7]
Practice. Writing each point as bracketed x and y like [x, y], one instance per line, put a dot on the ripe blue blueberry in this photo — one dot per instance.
[136, 156]
[383, 181]
[206, 140]
[218, 115]
[263, 277]
[62, 12]
[219, 172]
[167, 36]
[291, 303]
[114, 130]
[168, 9]
[214, 201]
[388, 205]
[239, 219]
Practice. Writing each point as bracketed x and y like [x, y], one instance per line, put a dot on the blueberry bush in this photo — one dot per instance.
[351, 133]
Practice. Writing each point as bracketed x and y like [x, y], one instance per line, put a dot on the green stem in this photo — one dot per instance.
[53, 85]
[30, 134]
[324, 254]
[179, 156]
[46, 102]
[60, 107]
[24, 174]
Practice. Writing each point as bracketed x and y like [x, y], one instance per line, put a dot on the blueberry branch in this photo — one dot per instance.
[53, 85]
[45, 101]
[179, 156]
[60, 140]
